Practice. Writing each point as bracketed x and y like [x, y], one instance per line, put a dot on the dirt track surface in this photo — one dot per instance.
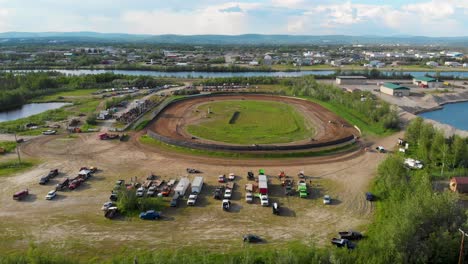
[172, 122]
[75, 215]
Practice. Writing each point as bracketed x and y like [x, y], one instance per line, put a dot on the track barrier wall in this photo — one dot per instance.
[219, 147]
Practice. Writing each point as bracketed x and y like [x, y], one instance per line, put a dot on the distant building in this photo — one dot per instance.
[459, 184]
[345, 80]
[253, 63]
[394, 89]
[427, 82]
[465, 65]
[452, 64]
[432, 64]
[267, 60]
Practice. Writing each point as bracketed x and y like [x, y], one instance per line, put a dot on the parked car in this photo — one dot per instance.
[252, 238]
[74, 184]
[49, 132]
[151, 191]
[53, 173]
[222, 178]
[226, 205]
[113, 197]
[370, 197]
[350, 235]
[21, 194]
[264, 200]
[381, 149]
[44, 180]
[111, 212]
[140, 192]
[327, 199]
[227, 194]
[51, 195]
[107, 205]
[232, 176]
[249, 197]
[250, 176]
[342, 243]
[150, 215]
[192, 199]
[218, 193]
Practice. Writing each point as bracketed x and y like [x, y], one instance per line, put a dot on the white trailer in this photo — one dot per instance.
[197, 184]
[182, 186]
[263, 184]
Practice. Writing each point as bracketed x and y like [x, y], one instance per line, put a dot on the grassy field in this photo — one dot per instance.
[61, 96]
[258, 122]
[10, 167]
[9, 146]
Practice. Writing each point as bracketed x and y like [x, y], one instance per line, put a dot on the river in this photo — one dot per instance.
[28, 110]
[196, 74]
[452, 114]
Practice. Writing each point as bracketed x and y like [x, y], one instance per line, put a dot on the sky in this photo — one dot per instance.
[192, 17]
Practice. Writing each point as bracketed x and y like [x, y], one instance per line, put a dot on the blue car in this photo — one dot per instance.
[150, 215]
[370, 197]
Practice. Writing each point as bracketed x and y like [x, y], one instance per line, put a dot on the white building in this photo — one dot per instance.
[267, 60]
[432, 64]
[452, 64]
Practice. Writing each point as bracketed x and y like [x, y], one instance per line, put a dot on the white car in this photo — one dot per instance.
[228, 194]
[232, 176]
[249, 197]
[413, 164]
[49, 132]
[106, 206]
[51, 195]
[151, 191]
[192, 199]
[264, 200]
[326, 199]
[140, 192]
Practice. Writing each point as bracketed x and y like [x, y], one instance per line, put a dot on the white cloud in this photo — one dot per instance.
[5, 14]
[209, 20]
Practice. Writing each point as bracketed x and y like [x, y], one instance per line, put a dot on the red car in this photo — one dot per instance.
[74, 184]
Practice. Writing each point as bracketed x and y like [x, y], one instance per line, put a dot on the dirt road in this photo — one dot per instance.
[74, 218]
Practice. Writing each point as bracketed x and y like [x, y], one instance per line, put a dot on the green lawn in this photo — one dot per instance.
[8, 168]
[60, 96]
[9, 146]
[258, 122]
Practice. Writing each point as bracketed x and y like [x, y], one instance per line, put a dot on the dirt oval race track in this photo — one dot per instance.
[330, 130]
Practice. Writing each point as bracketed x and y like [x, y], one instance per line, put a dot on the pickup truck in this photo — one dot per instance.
[53, 173]
[192, 199]
[226, 205]
[44, 180]
[218, 193]
[74, 184]
[20, 195]
[350, 235]
[150, 215]
[62, 184]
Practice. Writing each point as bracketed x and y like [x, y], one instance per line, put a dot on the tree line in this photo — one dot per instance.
[444, 156]
[17, 88]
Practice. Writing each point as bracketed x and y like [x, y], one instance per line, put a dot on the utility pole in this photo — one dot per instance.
[462, 245]
[17, 149]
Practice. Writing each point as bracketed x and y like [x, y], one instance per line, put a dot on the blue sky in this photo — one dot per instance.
[187, 17]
